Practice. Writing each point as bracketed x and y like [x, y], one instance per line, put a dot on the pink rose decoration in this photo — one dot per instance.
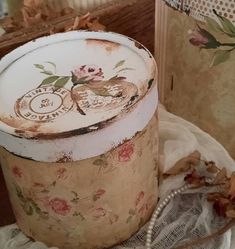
[17, 172]
[197, 38]
[99, 212]
[113, 218]
[125, 152]
[61, 173]
[59, 206]
[202, 38]
[139, 198]
[98, 194]
[92, 72]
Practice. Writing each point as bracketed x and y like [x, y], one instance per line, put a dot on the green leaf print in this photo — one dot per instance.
[61, 82]
[228, 26]
[19, 193]
[76, 198]
[220, 56]
[141, 223]
[39, 66]
[119, 64]
[213, 25]
[51, 63]
[27, 207]
[49, 80]
[125, 69]
[100, 162]
[132, 212]
[129, 219]
[47, 72]
[35, 207]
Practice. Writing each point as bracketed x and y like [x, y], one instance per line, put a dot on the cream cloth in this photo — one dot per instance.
[185, 218]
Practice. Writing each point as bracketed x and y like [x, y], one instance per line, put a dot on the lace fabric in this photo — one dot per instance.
[199, 9]
[187, 218]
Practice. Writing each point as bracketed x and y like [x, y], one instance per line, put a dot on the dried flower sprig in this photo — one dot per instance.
[223, 200]
[35, 12]
[35, 21]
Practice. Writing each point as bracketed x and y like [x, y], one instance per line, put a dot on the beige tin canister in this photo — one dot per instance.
[196, 51]
[79, 139]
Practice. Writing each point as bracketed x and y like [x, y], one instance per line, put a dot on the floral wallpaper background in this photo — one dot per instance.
[200, 87]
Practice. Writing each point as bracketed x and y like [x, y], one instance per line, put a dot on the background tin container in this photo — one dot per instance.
[200, 86]
[79, 137]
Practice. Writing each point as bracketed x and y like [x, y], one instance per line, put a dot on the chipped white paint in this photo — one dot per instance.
[104, 101]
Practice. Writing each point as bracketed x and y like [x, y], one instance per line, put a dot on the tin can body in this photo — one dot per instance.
[93, 203]
[79, 139]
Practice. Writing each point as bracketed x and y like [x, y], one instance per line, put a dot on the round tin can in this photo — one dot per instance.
[79, 138]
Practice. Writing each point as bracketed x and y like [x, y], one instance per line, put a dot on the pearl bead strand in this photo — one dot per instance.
[158, 211]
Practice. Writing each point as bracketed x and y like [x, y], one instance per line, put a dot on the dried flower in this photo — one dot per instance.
[184, 165]
[195, 179]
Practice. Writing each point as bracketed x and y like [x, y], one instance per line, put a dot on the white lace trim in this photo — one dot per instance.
[201, 8]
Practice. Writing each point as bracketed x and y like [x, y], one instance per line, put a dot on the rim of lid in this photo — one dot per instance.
[16, 54]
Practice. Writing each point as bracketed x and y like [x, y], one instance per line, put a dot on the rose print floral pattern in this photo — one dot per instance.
[139, 198]
[60, 206]
[29, 206]
[89, 73]
[57, 206]
[142, 206]
[98, 194]
[205, 40]
[98, 212]
[83, 207]
[103, 166]
[17, 172]
[125, 152]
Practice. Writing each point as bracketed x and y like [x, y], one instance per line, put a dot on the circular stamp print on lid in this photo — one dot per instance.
[44, 104]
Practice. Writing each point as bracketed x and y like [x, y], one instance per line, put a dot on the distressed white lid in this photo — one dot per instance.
[75, 95]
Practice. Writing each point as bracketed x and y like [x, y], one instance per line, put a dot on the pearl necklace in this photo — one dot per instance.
[158, 211]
